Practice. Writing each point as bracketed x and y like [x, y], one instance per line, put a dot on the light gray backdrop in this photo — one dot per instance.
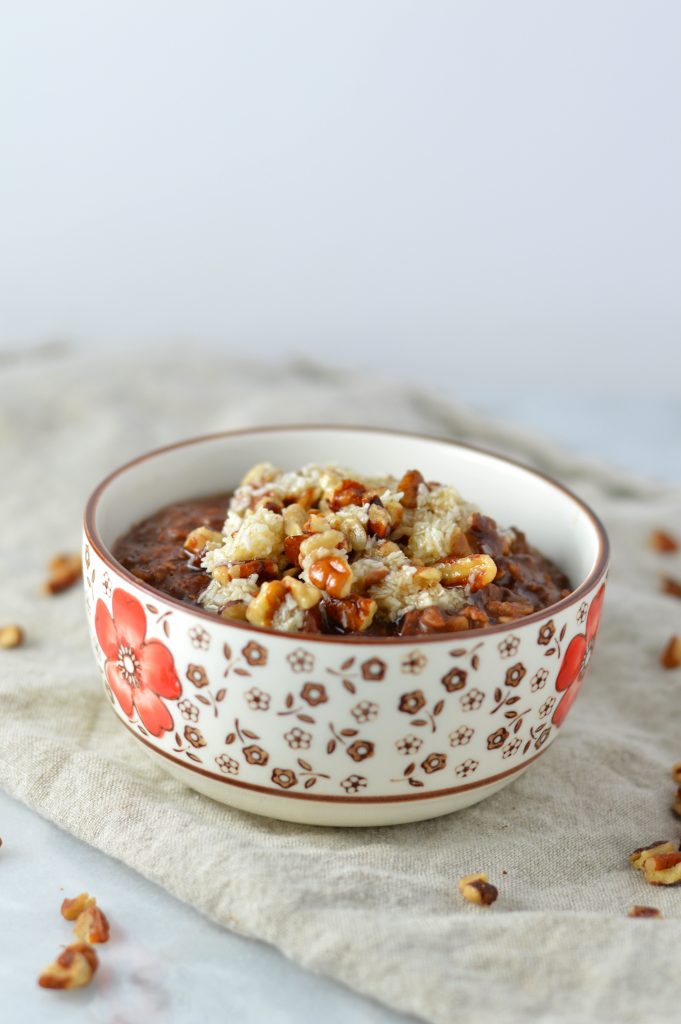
[380, 183]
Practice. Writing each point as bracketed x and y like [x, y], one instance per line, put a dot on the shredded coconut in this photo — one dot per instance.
[383, 548]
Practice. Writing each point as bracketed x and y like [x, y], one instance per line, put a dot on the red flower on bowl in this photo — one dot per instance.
[140, 672]
[576, 661]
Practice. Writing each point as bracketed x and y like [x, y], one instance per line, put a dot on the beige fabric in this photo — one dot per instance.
[377, 909]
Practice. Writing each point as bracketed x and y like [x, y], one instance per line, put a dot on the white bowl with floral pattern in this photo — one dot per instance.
[333, 730]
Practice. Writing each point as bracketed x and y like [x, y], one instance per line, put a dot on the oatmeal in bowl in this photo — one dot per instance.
[323, 550]
[347, 639]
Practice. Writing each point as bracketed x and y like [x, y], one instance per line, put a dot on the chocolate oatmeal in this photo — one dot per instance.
[322, 551]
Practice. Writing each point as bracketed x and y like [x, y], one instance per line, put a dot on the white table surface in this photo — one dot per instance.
[167, 963]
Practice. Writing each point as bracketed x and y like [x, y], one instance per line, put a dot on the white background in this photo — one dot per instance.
[481, 196]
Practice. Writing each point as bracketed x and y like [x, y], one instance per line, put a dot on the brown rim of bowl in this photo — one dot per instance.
[596, 574]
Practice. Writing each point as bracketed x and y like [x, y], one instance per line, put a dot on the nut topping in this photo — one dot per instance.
[11, 636]
[263, 568]
[477, 889]
[409, 485]
[663, 869]
[414, 548]
[352, 614]
[644, 912]
[349, 492]
[63, 572]
[74, 968]
[294, 517]
[671, 655]
[92, 926]
[380, 521]
[671, 586]
[331, 574]
[262, 609]
[662, 541]
[474, 571]
[660, 846]
[72, 909]
[201, 538]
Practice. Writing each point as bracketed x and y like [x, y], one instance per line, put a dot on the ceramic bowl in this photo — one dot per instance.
[333, 730]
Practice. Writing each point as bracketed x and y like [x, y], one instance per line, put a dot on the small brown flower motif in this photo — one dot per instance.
[255, 654]
[497, 739]
[581, 614]
[87, 556]
[365, 711]
[409, 744]
[360, 750]
[354, 783]
[256, 699]
[284, 777]
[547, 707]
[455, 679]
[199, 638]
[546, 633]
[414, 663]
[196, 674]
[515, 674]
[508, 646]
[298, 739]
[188, 710]
[227, 765]
[412, 702]
[314, 693]
[374, 670]
[539, 680]
[542, 738]
[511, 748]
[472, 700]
[466, 768]
[300, 660]
[256, 755]
[461, 736]
[106, 583]
[194, 736]
[434, 763]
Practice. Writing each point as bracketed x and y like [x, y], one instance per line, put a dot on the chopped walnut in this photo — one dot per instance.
[473, 571]
[409, 485]
[663, 869]
[294, 517]
[662, 541]
[72, 909]
[74, 968]
[263, 568]
[274, 595]
[406, 545]
[63, 572]
[92, 926]
[671, 655]
[637, 911]
[332, 575]
[671, 586]
[348, 492]
[11, 636]
[201, 538]
[477, 889]
[352, 614]
[638, 858]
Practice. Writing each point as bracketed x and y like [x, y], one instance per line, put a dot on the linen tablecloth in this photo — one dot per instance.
[378, 908]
